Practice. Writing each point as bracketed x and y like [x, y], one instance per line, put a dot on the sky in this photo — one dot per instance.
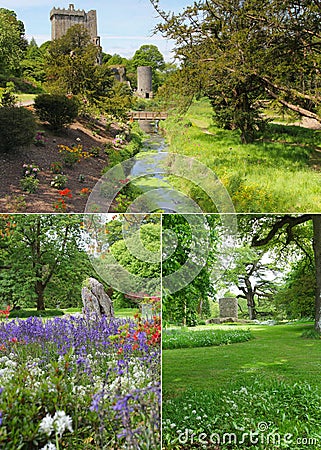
[123, 25]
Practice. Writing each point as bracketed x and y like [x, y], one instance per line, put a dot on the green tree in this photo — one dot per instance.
[296, 297]
[127, 244]
[148, 55]
[36, 250]
[186, 305]
[282, 232]
[249, 270]
[240, 52]
[71, 66]
[12, 42]
[32, 65]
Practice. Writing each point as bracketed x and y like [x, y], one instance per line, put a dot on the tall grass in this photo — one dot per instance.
[265, 176]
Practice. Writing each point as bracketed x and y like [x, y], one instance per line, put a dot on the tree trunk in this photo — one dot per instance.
[251, 305]
[40, 296]
[316, 219]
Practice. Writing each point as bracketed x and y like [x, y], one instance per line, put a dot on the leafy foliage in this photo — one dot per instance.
[297, 296]
[57, 109]
[17, 128]
[239, 53]
[40, 253]
[12, 42]
[190, 302]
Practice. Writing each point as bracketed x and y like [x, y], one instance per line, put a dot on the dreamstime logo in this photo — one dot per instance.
[150, 174]
[262, 436]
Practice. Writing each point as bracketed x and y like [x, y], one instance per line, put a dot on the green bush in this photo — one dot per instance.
[56, 109]
[29, 184]
[24, 314]
[17, 128]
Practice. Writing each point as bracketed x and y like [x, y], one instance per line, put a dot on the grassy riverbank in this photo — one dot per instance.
[280, 172]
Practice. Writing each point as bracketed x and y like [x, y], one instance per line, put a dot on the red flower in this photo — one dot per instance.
[5, 312]
[14, 340]
[65, 193]
[84, 191]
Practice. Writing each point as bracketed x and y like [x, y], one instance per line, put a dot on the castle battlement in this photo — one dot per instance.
[62, 19]
[67, 12]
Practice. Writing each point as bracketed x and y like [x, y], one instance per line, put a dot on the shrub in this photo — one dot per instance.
[17, 128]
[56, 109]
[59, 181]
[24, 313]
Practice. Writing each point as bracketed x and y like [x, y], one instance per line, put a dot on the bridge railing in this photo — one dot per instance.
[148, 115]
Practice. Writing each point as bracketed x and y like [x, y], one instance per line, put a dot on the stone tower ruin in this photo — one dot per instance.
[63, 19]
[144, 82]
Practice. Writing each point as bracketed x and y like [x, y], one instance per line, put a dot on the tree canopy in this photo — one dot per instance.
[12, 42]
[40, 254]
[239, 53]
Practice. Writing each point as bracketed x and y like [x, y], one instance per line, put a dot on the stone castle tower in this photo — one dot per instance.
[63, 19]
[144, 82]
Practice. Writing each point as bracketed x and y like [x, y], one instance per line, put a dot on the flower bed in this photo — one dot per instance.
[79, 383]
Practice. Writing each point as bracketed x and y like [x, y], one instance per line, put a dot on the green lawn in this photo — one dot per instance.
[264, 176]
[126, 312]
[273, 379]
[276, 352]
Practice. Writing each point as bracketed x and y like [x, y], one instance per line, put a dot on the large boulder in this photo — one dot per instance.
[95, 299]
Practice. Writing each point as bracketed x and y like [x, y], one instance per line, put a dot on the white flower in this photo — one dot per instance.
[173, 425]
[62, 422]
[49, 446]
[46, 425]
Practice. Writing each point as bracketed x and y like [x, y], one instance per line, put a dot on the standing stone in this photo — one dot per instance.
[95, 299]
[228, 307]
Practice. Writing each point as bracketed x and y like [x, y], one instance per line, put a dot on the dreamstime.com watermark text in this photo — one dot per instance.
[261, 436]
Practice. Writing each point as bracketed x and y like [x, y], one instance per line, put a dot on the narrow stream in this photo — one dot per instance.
[148, 169]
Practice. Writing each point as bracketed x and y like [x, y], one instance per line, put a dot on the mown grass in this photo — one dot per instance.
[277, 352]
[265, 176]
[126, 312]
[274, 379]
